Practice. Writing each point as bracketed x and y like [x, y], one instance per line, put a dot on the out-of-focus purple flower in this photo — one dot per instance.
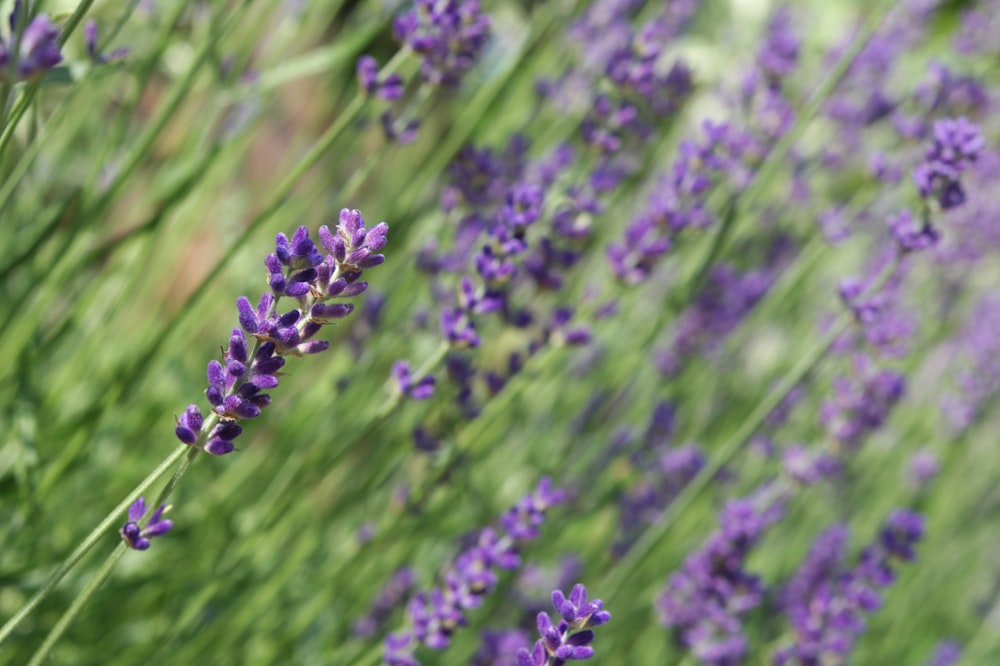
[393, 595]
[826, 606]
[251, 365]
[421, 389]
[679, 202]
[861, 402]
[388, 88]
[570, 639]
[910, 235]
[398, 130]
[947, 653]
[436, 614]
[499, 648]
[807, 467]
[956, 144]
[779, 54]
[449, 36]
[976, 372]
[923, 468]
[136, 536]
[38, 49]
[704, 601]
[90, 35]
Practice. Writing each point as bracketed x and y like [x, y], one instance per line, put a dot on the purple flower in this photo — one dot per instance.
[570, 639]
[705, 600]
[389, 88]
[861, 402]
[136, 536]
[420, 389]
[923, 468]
[956, 144]
[779, 54]
[449, 36]
[499, 648]
[826, 606]
[434, 615]
[90, 35]
[947, 653]
[910, 235]
[39, 49]
[251, 366]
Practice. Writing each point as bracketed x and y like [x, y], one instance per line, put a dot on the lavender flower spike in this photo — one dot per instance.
[137, 537]
[448, 34]
[957, 143]
[570, 639]
[251, 366]
[436, 614]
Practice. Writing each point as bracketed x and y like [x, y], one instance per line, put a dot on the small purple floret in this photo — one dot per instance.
[138, 537]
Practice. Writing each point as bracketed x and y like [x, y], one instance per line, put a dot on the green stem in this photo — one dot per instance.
[165, 114]
[81, 600]
[89, 542]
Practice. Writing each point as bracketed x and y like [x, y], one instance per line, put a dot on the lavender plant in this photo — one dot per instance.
[724, 272]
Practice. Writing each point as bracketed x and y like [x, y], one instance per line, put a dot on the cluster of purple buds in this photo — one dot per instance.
[37, 49]
[957, 144]
[779, 54]
[449, 35]
[296, 269]
[679, 202]
[408, 385]
[911, 235]
[827, 607]
[705, 601]
[861, 402]
[570, 639]
[388, 88]
[137, 537]
[436, 614]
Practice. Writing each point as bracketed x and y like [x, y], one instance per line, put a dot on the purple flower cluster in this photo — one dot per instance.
[679, 202]
[436, 614]
[408, 385]
[570, 639]
[449, 36]
[90, 36]
[388, 88]
[947, 653]
[976, 368]
[664, 471]
[38, 49]
[137, 536]
[956, 144]
[861, 402]
[392, 595]
[827, 606]
[705, 601]
[296, 269]
[727, 297]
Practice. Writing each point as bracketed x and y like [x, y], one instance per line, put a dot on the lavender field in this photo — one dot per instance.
[500, 332]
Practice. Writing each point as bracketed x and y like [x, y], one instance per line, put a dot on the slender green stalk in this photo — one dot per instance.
[88, 591]
[90, 540]
[165, 114]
